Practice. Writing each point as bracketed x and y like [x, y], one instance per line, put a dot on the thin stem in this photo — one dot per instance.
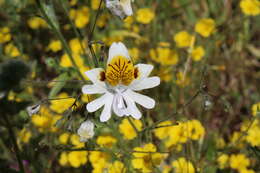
[91, 35]
[13, 139]
[62, 39]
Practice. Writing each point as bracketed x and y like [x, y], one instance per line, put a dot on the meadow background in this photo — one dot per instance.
[206, 119]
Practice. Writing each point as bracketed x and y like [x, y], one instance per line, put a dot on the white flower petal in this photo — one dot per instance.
[119, 107]
[126, 5]
[94, 76]
[86, 131]
[143, 100]
[131, 107]
[145, 83]
[93, 89]
[106, 113]
[117, 49]
[98, 103]
[144, 70]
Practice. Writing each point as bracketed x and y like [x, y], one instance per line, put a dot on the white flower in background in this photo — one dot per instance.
[34, 109]
[121, 8]
[86, 131]
[118, 84]
[2, 94]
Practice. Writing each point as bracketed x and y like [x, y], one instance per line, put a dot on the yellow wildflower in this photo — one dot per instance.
[95, 4]
[127, 130]
[197, 53]
[164, 56]
[183, 166]
[144, 160]
[205, 27]
[55, 46]
[252, 136]
[36, 23]
[181, 81]
[134, 53]
[239, 161]
[80, 16]
[77, 158]
[163, 133]
[99, 160]
[250, 7]
[62, 103]
[63, 138]
[45, 120]
[223, 161]
[5, 35]
[24, 135]
[106, 141]
[77, 46]
[182, 39]
[63, 160]
[165, 74]
[195, 129]
[246, 171]
[102, 20]
[144, 15]
[117, 167]
[255, 108]
[11, 50]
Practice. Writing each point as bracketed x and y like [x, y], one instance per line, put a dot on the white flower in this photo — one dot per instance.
[2, 94]
[34, 109]
[118, 84]
[86, 131]
[121, 8]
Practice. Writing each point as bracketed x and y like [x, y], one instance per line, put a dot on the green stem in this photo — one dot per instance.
[91, 36]
[61, 38]
[13, 139]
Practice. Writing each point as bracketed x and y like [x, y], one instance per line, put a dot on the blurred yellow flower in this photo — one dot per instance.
[95, 4]
[134, 54]
[255, 108]
[24, 135]
[36, 23]
[64, 138]
[252, 133]
[102, 20]
[80, 16]
[183, 166]
[164, 56]
[117, 167]
[63, 160]
[75, 140]
[127, 129]
[54, 46]
[223, 160]
[195, 130]
[197, 53]
[182, 39]
[11, 50]
[250, 7]
[62, 103]
[45, 121]
[106, 141]
[163, 133]
[205, 27]
[165, 74]
[144, 15]
[99, 160]
[181, 81]
[5, 35]
[147, 158]
[77, 46]
[239, 161]
[77, 158]
[246, 171]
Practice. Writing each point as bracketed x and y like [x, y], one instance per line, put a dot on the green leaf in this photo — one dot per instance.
[61, 81]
